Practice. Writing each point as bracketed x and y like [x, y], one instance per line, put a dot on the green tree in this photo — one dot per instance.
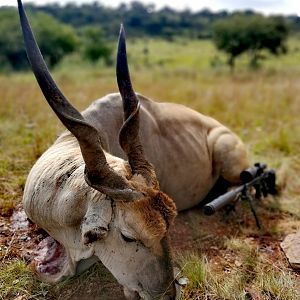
[54, 38]
[94, 46]
[12, 54]
[252, 34]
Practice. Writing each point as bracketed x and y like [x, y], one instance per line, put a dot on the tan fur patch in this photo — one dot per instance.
[166, 206]
[153, 215]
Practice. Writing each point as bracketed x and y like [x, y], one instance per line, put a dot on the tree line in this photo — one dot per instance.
[55, 39]
[145, 20]
[89, 28]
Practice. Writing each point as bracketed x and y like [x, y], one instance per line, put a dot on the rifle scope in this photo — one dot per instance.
[252, 172]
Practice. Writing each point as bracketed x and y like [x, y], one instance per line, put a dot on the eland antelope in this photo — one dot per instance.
[104, 189]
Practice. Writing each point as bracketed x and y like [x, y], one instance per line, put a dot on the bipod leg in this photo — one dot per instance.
[246, 196]
[229, 208]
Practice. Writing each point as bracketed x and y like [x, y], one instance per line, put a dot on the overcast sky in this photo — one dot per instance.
[266, 6]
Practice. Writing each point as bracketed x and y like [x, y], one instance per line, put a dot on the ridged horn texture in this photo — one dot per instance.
[129, 134]
[98, 174]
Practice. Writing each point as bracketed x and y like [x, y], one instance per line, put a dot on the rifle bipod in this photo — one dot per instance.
[246, 196]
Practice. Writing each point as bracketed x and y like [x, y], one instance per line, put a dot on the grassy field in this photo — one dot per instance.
[223, 257]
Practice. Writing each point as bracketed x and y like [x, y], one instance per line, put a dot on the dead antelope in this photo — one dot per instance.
[97, 205]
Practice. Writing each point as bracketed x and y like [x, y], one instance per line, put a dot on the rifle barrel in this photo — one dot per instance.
[216, 204]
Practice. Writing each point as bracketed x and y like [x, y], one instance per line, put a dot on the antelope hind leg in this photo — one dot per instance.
[229, 154]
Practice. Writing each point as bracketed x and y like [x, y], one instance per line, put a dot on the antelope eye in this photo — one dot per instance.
[127, 239]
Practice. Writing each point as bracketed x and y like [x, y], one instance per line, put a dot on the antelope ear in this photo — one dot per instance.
[166, 206]
[95, 224]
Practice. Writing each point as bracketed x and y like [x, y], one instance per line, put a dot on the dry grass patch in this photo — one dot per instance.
[242, 273]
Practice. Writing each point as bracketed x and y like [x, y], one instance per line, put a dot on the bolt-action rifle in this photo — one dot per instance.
[262, 179]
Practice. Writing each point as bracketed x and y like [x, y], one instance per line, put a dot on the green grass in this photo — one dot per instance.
[248, 275]
[262, 107]
[17, 279]
[195, 269]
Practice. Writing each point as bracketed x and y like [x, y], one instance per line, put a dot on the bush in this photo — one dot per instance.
[54, 38]
[12, 54]
[250, 33]
[94, 47]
